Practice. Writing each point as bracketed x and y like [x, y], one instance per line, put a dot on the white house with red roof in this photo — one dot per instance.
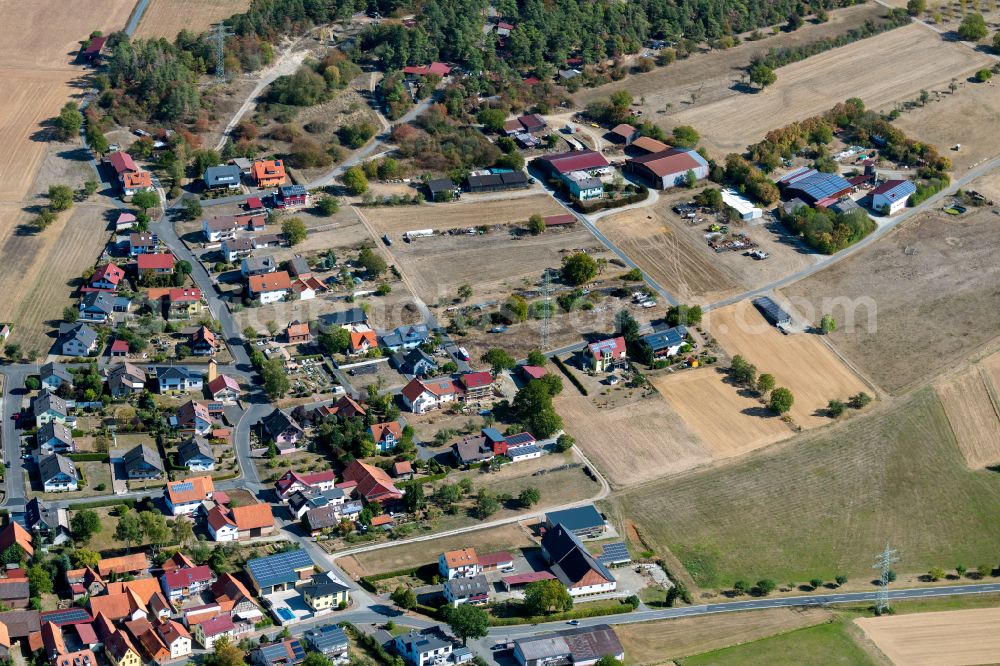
[107, 277]
[291, 482]
[186, 582]
[605, 355]
[224, 388]
[423, 395]
[155, 264]
[220, 526]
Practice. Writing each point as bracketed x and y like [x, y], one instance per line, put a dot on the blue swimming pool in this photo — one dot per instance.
[285, 614]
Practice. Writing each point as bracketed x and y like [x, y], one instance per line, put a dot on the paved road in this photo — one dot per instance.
[133, 21]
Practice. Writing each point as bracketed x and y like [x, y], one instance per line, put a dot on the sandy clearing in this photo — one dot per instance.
[653, 642]
[972, 415]
[946, 638]
[467, 213]
[800, 362]
[165, 18]
[729, 421]
[890, 67]
[615, 438]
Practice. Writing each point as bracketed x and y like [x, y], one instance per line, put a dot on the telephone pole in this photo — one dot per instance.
[883, 562]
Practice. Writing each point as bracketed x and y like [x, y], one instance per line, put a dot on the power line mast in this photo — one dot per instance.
[544, 330]
[883, 562]
[221, 32]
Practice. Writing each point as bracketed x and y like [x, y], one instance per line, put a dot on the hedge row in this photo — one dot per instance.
[97, 504]
[368, 582]
[422, 480]
[88, 457]
[558, 617]
[607, 204]
[569, 375]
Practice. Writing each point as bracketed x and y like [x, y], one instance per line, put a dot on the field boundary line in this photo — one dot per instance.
[851, 366]
[991, 391]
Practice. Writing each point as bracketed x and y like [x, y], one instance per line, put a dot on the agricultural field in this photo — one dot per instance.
[968, 400]
[711, 75]
[506, 537]
[949, 638]
[165, 18]
[800, 362]
[828, 644]
[978, 106]
[471, 211]
[736, 423]
[897, 65]
[826, 502]
[654, 642]
[897, 302]
[41, 78]
[642, 428]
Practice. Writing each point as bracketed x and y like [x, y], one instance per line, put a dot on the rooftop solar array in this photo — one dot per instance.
[326, 637]
[66, 616]
[771, 310]
[614, 553]
[520, 439]
[182, 487]
[279, 568]
[820, 185]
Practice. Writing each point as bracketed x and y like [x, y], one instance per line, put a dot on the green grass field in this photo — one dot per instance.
[827, 503]
[823, 645]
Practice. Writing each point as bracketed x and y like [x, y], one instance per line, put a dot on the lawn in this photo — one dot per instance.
[823, 645]
[827, 503]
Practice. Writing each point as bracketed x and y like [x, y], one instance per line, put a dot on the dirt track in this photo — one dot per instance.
[947, 638]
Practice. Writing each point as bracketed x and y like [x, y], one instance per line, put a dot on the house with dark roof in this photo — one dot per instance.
[461, 590]
[498, 182]
[286, 653]
[142, 462]
[125, 380]
[579, 645]
[222, 177]
[343, 318]
[665, 343]
[47, 523]
[49, 407]
[573, 565]
[282, 429]
[472, 450]
[54, 375]
[97, 306]
[58, 474]
[54, 437]
[281, 571]
[814, 186]
[76, 339]
[441, 189]
[325, 592]
[291, 196]
[178, 379]
[406, 337]
[415, 362]
[259, 265]
[583, 521]
[329, 640]
[424, 648]
[193, 418]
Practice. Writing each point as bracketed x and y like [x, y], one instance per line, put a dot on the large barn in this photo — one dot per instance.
[814, 187]
[668, 168]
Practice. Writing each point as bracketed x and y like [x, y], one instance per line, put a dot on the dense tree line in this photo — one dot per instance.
[827, 231]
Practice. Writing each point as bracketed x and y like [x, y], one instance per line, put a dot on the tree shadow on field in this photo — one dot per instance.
[76, 154]
[47, 132]
[744, 88]
[762, 412]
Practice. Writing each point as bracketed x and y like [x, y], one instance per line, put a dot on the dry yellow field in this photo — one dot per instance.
[667, 257]
[973, 416]
[880, 70]
[800, 362]
[460, 214]
[614, 438]
[656, 642]
[724, 417]
[165, 18]
[946, 638]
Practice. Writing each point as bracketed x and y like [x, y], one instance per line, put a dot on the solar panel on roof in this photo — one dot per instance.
[279, 568]
[519, 439]
[182, 487]
[613, 553]
[66, 616]
[297, 650]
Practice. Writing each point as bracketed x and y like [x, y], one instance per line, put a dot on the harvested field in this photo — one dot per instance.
[614, 438]
[656, 642]
[800, 362]
[672, 260]
[950, 638]
[506, 537]
[968, 402]
[165, 18]
[469, 212]
[735, 424]
[978, 107]
[896, 66]
[826, 502]
[895, 301]
[710, 75]
[492, 263]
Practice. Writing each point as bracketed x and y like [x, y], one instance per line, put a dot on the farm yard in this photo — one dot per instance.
[469, 212]
[653, 642]
[165, 18]
[800, 362]
[897, 64]
[968, 400]
[948, 638]
[826, 502]
[616, 434]
[914, 280]
[736, 423]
